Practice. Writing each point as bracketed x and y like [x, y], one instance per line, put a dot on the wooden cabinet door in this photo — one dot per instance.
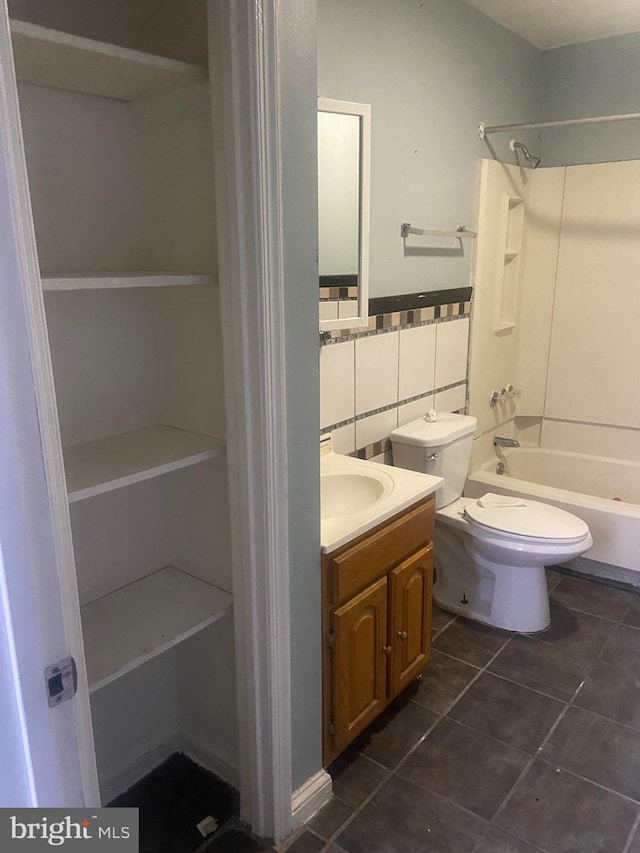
[410, 618]
[359, 662]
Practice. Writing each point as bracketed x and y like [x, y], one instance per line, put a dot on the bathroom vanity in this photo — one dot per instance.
[376, 594]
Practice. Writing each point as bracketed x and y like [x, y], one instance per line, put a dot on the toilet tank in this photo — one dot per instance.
[441, 447]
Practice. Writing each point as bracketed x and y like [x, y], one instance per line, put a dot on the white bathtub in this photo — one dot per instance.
[584, 485]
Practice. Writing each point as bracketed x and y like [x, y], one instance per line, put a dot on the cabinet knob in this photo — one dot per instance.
[402, 635]
[386, 650]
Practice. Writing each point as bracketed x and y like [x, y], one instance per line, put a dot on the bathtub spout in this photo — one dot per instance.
[498, 441]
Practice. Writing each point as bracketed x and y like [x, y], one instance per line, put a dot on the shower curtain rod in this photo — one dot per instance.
[483, 130]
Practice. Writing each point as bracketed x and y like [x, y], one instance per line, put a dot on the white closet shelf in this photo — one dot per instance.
[130, 626]
[117, 280]
[60, 60]
[121, 460]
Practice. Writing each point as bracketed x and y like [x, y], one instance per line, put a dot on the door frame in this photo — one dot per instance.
[259, 47]
[246, 127]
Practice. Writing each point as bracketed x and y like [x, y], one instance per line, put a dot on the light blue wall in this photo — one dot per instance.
[432, 71]
[297, 77]
[591, 79]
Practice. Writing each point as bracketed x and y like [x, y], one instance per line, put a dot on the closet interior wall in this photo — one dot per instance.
[123, 205]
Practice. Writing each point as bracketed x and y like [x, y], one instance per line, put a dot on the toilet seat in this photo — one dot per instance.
[532, 521]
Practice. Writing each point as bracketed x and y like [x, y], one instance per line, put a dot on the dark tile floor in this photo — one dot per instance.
[508, 744]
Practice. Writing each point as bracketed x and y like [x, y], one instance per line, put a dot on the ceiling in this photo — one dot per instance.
[552, 23]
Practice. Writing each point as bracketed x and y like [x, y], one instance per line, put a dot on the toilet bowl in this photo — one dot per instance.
[496, 574]
[490, 553]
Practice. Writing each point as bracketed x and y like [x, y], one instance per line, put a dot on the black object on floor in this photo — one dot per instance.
[172, 799]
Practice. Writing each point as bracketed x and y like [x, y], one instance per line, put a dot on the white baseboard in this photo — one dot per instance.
[211, 762]
[117, 783]
[310, 797]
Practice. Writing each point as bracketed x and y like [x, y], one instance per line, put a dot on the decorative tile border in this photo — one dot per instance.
[411, 312]
[380, 323]
[338, 293]
[371, 450]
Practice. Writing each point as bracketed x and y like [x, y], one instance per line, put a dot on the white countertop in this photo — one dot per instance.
[400, 489]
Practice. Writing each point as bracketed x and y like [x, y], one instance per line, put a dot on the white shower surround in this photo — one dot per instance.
[585, 485]
[571, 353]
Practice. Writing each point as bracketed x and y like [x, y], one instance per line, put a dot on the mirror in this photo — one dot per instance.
[344, 143]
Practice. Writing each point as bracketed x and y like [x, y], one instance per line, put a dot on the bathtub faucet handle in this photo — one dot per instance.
[513, 392]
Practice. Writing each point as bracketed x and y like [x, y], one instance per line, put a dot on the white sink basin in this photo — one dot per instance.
[343, 494]
[357, 495]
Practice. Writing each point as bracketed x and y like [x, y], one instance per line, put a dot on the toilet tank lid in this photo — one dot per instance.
[445, 429]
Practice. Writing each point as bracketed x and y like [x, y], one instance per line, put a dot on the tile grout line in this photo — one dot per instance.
[436, 723]
[511, 635]
[544, 742]
[480, 671]
[511, 680]
[535, 690]
[589, 613]
[332, 838]
[591, 782]
[441, 631]
[606, 582]
[605, 718]
[488, 736]
[391, 772]
[566, 704]
[632, 834]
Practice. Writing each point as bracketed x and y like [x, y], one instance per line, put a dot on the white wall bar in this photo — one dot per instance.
[406, 229]
[483, 130]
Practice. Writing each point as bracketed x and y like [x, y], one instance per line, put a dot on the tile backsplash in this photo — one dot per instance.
[408, 361]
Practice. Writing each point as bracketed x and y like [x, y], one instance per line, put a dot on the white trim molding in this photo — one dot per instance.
[311, 796]
[246, 128]
[49, 555]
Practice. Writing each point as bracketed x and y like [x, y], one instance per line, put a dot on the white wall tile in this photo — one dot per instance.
[417, 361]
[344, 439]
[336, 383]
[451, 400]
[347, 308]
[375, 427]
[328, 310]
[383, 458]
[376, 372]
[416, 409]
[451, 351]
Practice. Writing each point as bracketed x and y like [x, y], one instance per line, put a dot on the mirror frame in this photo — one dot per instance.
[363, 111]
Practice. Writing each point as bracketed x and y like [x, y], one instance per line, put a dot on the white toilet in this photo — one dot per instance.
[490, 553]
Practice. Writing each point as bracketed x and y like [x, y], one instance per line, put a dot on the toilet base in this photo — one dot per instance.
[514, 598]
[506, 624]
